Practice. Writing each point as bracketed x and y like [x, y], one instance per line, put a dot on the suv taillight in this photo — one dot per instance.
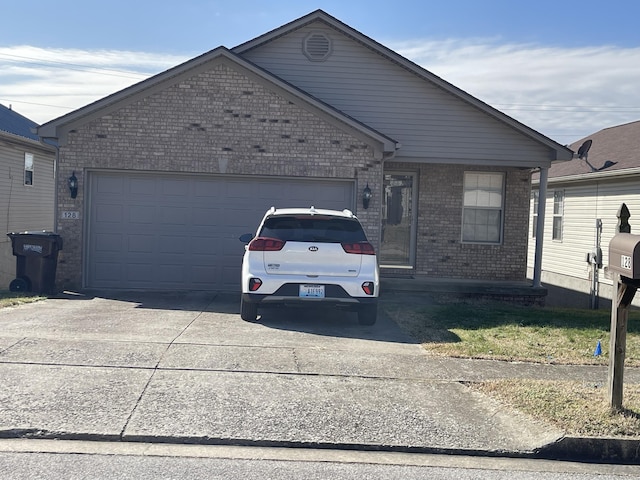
[359, 248]
[266, 244]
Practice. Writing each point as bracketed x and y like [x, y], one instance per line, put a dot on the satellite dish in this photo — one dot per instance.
[584, 149]
[607, 164]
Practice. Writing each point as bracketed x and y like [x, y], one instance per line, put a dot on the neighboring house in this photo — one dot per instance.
[582, 201]
[174, 169]
[26, 185]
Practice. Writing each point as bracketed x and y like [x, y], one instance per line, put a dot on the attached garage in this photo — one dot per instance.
[167, 231]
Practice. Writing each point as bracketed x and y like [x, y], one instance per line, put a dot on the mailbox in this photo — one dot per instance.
[624, 255]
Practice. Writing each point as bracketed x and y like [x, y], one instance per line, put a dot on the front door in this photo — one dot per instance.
[398, 220]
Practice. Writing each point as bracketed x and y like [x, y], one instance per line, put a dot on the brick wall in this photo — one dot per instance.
[440, 251]
[217, 122]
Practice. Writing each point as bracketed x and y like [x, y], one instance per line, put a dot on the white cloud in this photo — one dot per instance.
[43, 84]
[564, 93]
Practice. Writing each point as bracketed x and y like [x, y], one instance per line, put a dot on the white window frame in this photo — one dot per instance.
[28, 169]
[481, 192]
[558, 215]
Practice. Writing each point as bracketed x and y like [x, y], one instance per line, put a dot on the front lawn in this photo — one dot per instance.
[10, 299]
[507, 332]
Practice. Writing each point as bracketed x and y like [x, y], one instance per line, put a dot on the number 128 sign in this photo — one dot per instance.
[70, 215]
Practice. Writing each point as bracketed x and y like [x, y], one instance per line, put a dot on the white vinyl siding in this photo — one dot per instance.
[25, 208]
[22, 208]
[583, 205]
[430, 123]
[482, 207]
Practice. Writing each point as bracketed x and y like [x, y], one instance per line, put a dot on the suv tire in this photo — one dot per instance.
[248, 311]
[367, 314]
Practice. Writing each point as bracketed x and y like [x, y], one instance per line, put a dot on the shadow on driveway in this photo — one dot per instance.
[333, 322]
[313, 320]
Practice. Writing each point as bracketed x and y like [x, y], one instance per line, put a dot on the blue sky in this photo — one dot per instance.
[566, 67]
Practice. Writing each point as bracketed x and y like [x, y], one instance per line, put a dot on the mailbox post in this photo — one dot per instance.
[624, 264]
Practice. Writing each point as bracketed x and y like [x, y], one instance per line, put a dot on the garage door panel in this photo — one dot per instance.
[108, 213]
[205, 216]
[139, 244]
[174, 215]
[141, 272]
[152, 231]
[141, 214]
[207, 193]
[173, 244]
[109, 273]
[175, 187]
[140, 186]
[109, 184]
[108, 242]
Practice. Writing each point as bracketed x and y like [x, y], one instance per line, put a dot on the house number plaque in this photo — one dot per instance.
[70, 215]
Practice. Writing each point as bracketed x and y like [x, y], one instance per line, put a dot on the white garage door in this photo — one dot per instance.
[168, 232]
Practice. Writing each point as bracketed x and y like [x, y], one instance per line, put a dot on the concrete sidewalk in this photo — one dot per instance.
[187, 369]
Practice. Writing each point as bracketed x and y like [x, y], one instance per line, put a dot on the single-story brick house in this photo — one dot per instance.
[26, 185]
[174, 169]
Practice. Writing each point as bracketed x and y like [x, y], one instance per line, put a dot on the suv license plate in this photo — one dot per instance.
[312, 291]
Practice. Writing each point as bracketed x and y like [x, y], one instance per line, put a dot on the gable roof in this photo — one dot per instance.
[15, 124]
[58, 127]
[562, 153]
[614, 151]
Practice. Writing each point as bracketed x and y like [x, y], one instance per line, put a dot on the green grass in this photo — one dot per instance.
[543, 335]
[10, 299]
[510, 332]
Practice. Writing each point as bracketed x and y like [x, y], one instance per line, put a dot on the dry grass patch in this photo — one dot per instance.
[11, 299]
[577, 408]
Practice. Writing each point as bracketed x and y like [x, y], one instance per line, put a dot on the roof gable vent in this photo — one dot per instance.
[317, 47]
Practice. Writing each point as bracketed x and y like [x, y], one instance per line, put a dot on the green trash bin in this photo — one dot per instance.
[36, 261]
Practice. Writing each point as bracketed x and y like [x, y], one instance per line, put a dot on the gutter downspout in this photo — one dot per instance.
[55, 179]
[542, 202]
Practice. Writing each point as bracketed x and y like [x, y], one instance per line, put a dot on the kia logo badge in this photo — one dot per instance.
[313, 249]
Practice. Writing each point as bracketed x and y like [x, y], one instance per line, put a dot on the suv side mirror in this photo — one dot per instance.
[246, 238]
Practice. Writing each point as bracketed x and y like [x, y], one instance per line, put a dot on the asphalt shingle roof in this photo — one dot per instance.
[619, 144]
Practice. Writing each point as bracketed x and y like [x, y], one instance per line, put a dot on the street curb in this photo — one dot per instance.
[573, 449]
[593, 449]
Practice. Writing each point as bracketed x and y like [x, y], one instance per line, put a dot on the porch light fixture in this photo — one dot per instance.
[73, 185]
[366, 196]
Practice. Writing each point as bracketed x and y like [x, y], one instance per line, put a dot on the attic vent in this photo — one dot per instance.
[317, 47]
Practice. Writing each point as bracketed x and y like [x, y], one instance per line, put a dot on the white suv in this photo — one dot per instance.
[308, 256]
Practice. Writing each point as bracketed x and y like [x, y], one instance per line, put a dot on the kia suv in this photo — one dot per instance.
[306, 256]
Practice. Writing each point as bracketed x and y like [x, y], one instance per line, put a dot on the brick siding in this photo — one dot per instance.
[440, 251]
[217, 122]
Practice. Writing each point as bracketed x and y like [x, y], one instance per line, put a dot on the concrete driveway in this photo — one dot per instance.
[186, 368]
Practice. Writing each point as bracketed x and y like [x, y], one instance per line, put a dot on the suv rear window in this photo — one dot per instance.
[314, 228]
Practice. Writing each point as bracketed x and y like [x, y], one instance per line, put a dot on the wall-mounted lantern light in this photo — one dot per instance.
[366, 196]
[73, 185]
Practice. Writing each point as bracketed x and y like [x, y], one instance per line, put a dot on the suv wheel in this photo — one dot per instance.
[367, 314]
[248, 311]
